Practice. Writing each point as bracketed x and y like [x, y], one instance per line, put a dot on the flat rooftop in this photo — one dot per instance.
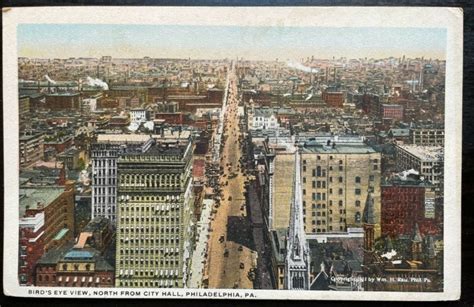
[141, 138]
[430, 153]
[31, 197]
[122, 138]
[339, 149]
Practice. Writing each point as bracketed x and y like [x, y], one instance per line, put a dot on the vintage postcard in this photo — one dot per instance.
[242, 153]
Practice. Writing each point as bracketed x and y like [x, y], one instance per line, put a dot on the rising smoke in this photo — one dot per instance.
[97, 82]
[299, 66]
[49, 79]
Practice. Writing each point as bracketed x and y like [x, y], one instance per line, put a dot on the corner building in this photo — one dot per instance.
[155, 216]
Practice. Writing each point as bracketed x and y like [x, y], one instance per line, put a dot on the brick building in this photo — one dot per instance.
[63, 101]
[46, 222]
[392, 111]
[82, 264]
[60, 144]
[171, 118]
[408, 201]
[333, 99]
[70, 267]
[31, 246]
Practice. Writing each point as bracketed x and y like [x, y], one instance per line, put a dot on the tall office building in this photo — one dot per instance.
[155, 215]
[104, 153]
[337, 173]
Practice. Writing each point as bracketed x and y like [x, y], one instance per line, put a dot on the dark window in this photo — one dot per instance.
[357, 217]
[340, 179]
[357, 179]
[357, 191]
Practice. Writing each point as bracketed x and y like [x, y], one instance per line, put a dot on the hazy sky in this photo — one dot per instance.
[136, 41]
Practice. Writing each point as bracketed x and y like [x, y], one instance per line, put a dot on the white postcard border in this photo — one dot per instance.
[449, 18]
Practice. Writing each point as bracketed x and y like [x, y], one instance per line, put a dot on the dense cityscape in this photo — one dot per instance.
[308, 174]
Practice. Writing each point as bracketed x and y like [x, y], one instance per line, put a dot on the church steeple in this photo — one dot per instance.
[416, 244]
[297, 260]
[368, 220]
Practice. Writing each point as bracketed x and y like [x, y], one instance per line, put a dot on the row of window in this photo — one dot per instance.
[137, 208]
[162, 262]
[103, 162]
[161, 241]
[148, 219]
[149, 284]
[322, 196]
[162, 229]
[160, 198]
[340, 203]
[330, 228]
[105, 181]
[156, 178]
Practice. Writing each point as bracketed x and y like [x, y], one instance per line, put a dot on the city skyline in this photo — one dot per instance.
[253, 43]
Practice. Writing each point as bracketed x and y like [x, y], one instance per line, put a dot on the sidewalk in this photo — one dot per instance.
[198, 259]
